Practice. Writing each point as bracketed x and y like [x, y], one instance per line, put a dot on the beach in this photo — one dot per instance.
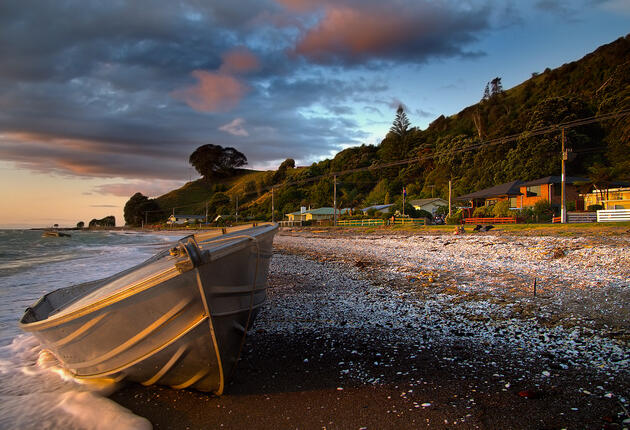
[407, 330]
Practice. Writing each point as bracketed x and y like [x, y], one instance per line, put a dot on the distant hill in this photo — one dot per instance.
[597, 84]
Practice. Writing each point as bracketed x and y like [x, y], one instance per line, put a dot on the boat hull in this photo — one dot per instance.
[183, 327]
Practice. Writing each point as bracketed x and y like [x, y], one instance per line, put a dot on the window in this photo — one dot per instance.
[533, 191]
[513, 202]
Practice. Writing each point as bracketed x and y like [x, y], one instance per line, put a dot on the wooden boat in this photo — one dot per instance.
[178, 319]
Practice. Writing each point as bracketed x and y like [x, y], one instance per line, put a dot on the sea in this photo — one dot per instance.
[35, 392]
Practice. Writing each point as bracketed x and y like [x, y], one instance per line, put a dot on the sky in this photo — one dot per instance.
[100, 100]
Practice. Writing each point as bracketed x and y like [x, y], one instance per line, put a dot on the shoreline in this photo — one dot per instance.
[357, 340]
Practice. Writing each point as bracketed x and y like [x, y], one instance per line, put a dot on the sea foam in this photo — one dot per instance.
[35, 391]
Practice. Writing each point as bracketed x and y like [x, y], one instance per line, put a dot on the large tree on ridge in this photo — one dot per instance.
[212, 161]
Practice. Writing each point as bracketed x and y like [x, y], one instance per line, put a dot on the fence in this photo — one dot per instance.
[494, 220]
[360, 222]
[613, 215]
[290, 223]
[412, 221]
[577, 217]
[375, 222]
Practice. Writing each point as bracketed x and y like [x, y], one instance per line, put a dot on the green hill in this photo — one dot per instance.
[460, 147]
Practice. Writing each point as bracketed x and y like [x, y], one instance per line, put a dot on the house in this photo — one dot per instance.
[525, 194]
[323, 213]
[430, 205]
[613, 198]
[548, 188]
[490, 196]
[183, 219]
[384, 209]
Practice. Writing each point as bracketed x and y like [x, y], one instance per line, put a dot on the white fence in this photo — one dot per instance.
[579, 217]
[613, 215]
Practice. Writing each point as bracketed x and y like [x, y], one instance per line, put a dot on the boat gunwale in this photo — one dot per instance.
[140, 286]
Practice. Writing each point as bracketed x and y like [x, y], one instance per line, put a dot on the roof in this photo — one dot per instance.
[322, 211]
[319, 211]
[377, 207]
[422, 202]
[553, 180]
[189, 216]
[507, 189]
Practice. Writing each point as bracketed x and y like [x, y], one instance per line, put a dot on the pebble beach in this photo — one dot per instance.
[402, 330]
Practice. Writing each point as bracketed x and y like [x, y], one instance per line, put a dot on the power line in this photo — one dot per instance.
[481, 144]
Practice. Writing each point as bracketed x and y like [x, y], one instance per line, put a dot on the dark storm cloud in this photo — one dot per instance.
[130, 88]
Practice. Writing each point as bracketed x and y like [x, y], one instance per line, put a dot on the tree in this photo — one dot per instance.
[213, 161]
[401, 123]
[396, 144]
[496, 87]
[80, 224]
[108, 221]
[281, 173]
[600, 178]
[140, 208]
[486, 92]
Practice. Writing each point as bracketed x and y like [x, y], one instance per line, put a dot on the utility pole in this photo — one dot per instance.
[335, 200]
[206, 213]
[563, 207]
[272, 208]
[146, 213]
[237, 208]
[404, 195]
[449, 198]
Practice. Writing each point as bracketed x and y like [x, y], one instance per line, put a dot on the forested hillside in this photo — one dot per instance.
[597, 84]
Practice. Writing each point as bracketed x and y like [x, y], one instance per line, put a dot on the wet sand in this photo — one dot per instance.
[342, 343]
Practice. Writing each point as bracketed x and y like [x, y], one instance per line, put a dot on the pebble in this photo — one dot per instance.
[379, 296]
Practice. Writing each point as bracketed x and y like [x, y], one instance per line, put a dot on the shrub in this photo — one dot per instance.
[527, 215]
[441, 210]
[455, 218]
[543, 211]
[595, 208]
[421, 213]
[482, 212]
[501, 209]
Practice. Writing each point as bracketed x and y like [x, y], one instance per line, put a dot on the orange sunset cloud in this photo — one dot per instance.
[354, 31]
[240, 60]
[213, 93]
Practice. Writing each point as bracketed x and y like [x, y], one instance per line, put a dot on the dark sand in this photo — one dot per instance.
[295, 380]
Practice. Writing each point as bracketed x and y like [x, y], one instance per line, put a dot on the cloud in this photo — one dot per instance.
[86, 158]
[423, 113]
[352, 32]
[558, 7]
[619, 6]
[240, 60]
[91, 90]
[235, 127]
[104, 206]
[214, 92]
[148, 188]
[372, 109]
